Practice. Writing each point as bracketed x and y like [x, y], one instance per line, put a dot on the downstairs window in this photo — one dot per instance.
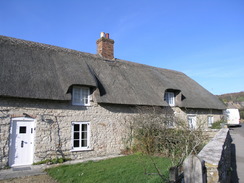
[210, 121]
[192, 122]
[80, 136]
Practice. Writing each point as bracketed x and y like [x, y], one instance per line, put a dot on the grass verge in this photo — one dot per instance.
[132, 168]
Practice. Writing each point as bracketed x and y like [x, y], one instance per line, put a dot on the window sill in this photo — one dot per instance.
[88, 105]
[76, 150]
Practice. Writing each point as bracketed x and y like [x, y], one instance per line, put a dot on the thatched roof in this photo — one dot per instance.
[40, 71]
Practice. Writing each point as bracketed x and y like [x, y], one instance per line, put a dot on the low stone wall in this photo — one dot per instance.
[210, 134]
[217, 157]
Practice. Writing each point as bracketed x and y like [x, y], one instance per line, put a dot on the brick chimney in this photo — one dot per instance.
[105, 46]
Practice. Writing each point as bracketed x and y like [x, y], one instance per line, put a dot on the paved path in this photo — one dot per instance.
[39, 169]
[22, 171]
[237, 134]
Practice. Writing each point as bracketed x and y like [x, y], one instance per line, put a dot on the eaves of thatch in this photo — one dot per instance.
[40, 71]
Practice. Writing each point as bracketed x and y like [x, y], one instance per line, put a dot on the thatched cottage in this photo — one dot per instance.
[61, 102]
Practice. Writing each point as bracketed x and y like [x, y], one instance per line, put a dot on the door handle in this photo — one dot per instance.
[22, 143]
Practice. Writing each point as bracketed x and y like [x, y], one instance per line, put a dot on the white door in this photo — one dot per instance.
[21, 142]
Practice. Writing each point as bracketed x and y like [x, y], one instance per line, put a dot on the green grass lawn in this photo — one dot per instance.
[127, 169]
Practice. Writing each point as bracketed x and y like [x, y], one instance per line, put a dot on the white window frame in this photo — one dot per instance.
[88, 131]
[82, 99]
[192, 122]
[210, 121]
[170, 98]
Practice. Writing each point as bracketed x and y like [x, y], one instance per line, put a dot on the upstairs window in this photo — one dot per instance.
[80, 136]
[81, 96]
[170, 98]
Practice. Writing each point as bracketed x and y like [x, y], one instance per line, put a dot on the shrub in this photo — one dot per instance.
[152, 136]
[241, 113]
[217, 124]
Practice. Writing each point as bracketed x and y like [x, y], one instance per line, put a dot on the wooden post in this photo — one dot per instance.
[173, 174]
[193, 170]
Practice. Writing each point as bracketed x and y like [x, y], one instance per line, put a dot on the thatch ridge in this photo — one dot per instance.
[32, 44]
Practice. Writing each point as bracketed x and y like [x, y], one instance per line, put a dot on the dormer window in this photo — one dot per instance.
[170, 98]
[81, 96]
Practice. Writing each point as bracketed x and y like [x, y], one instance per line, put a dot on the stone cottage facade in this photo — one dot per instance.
[57, 102]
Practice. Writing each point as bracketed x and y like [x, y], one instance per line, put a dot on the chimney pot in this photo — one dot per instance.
[102, 34]
[107, 35]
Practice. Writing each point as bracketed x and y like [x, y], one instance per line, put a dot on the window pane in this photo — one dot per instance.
[77, 91]
[86, 101]
[85, 92]
[171, 98]
[84, 127]
[76, 95]
[82, 100]
[22, 129]
[76, 135]
[76, 143]
[76, 127]
[85, 96]
[166, 96]
[83, 143]
[84, 135]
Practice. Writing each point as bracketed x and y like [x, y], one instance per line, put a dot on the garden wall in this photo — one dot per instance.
[217, 157]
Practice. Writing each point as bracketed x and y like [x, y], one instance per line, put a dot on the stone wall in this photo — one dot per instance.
[53, 127]
[217, 157]
[201, 115]
[110, 127]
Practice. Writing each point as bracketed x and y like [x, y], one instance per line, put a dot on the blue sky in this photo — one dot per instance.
[202, 38]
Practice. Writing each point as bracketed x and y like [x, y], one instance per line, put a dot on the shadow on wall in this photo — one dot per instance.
[137, 109]
[37, 103]
[234, 176]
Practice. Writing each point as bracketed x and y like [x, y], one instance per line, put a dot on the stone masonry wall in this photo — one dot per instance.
[109, 124]
[217, 157]
[110, 127]
[201, 115]
[53, 135]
